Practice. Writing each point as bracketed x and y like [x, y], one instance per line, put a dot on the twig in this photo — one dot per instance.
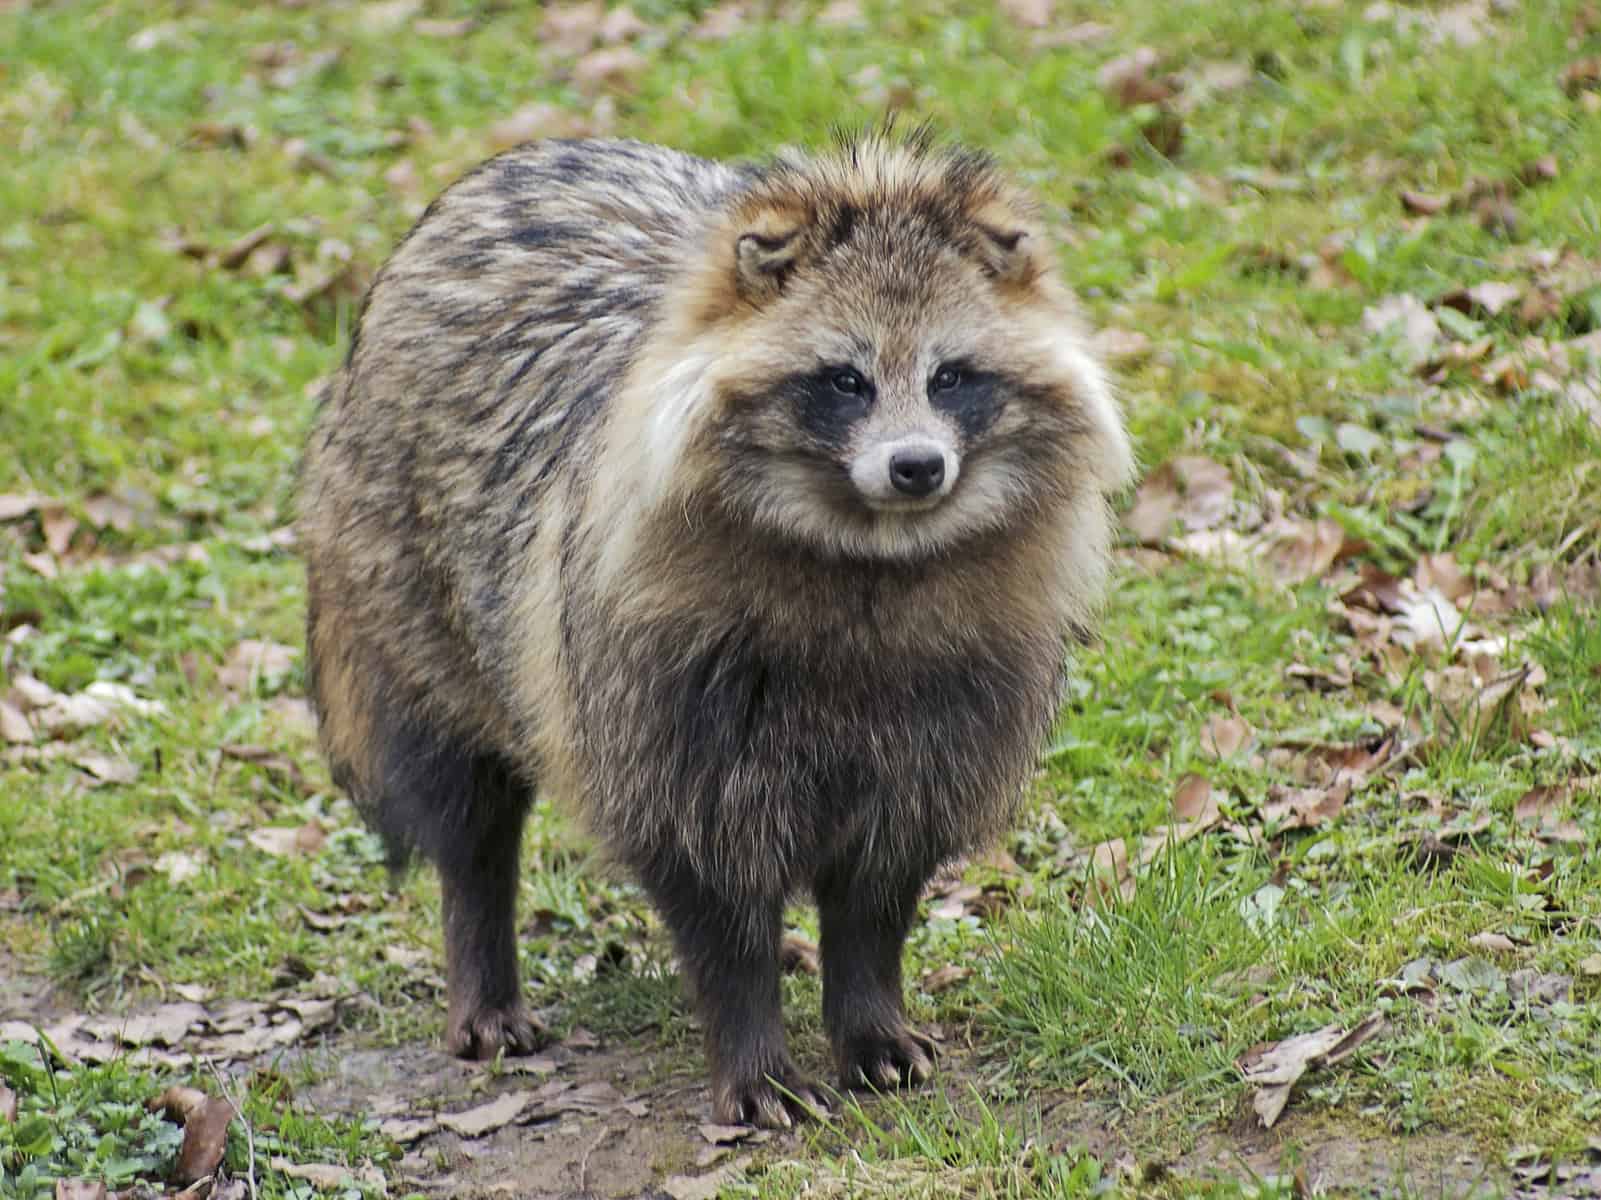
[583, 1163]
[250, 1136]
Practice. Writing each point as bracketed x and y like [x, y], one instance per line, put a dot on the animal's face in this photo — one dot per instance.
[884, 421]
[875, 362]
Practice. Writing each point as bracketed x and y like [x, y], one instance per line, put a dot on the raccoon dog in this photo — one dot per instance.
[749, 507]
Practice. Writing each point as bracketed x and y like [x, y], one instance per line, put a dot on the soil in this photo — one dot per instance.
[632, 1119]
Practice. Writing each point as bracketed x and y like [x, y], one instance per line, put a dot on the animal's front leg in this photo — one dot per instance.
[865, 920]
[730, 950]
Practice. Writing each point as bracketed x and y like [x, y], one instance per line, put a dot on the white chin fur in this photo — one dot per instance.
[988, 500]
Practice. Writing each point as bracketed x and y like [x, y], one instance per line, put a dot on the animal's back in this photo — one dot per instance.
[486, 352]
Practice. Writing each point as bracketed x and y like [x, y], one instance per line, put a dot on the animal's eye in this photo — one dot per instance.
[946, 378]
[848, 382]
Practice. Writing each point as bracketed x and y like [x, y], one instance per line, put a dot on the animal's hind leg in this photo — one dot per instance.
[464, 811]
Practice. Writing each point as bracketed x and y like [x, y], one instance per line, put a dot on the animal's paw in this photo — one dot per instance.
[772, 1099]
[488, 1031]
[886, 1059]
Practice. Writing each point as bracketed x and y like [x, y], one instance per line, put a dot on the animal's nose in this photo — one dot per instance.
[917, 472]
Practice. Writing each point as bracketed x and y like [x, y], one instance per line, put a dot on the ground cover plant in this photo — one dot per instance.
[1305, 896]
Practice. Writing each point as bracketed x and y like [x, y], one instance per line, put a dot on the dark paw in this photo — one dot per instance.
[884, 1060]
[489, 1031]
[775, 1099]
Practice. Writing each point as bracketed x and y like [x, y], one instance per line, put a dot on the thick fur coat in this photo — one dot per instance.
[748, 508]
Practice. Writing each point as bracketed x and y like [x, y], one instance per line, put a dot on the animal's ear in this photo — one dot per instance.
[766, 253]
[1007, 254]
[1006, 246]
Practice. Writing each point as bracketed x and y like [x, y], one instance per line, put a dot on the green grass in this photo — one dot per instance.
[180, 390]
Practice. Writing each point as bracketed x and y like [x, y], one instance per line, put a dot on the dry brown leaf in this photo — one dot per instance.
[1083, 33]
[106, 769]
[178, 866]
[80, 1189]
[611, 66]
[331, 1177]
[281, 842]
[571, 29]
[163, 1026]
[1121, 345]
[529, 123]
[406, 1130]
[1442, 573]
[486, 1118]
[444, 28]
[1193, 800]
[1130, 80]
[1542, 810]
[1487, 299]
[1303, 808]
[798, 955]
[1192, 490]
[110, 512]
[1031, 14]
[1498, 942]
[1224, 735]
[721, 23]
[234, 255]
[205, 1121]
[840, 14]
[252, 660]
[58, 527]
[1406, 319]
[15, 506]
[1274, 1067]
[1580, 76]
[1324, 765]
[1479, 692]
[726, 1135]
[1297, 550]
[1421, 204]
[14, 726]
[8, 1104]
[269, 760]
[943, 978]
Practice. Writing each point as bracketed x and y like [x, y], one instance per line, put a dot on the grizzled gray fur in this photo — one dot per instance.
[747, 509]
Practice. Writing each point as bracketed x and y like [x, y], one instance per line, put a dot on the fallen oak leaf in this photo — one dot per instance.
[329, 1177]
[1303, 808]
[1421, 204]
[80, 1189]
[205, 1120]
[14, 724]
[798, 955]
[1274, 1067]
[1031, 14]
[1224, 736]
[1487, 299]
[486, 1118]
[281, 842]
[945, 977]
[103, 768]
[1193, 490]
[13, 507]
[255, 660]
[268, 760]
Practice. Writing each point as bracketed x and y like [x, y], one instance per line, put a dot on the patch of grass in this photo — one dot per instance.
[179, 390]
[94, 1123]
[1143, 993]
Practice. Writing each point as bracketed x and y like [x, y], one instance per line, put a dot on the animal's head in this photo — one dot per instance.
[877, 360]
